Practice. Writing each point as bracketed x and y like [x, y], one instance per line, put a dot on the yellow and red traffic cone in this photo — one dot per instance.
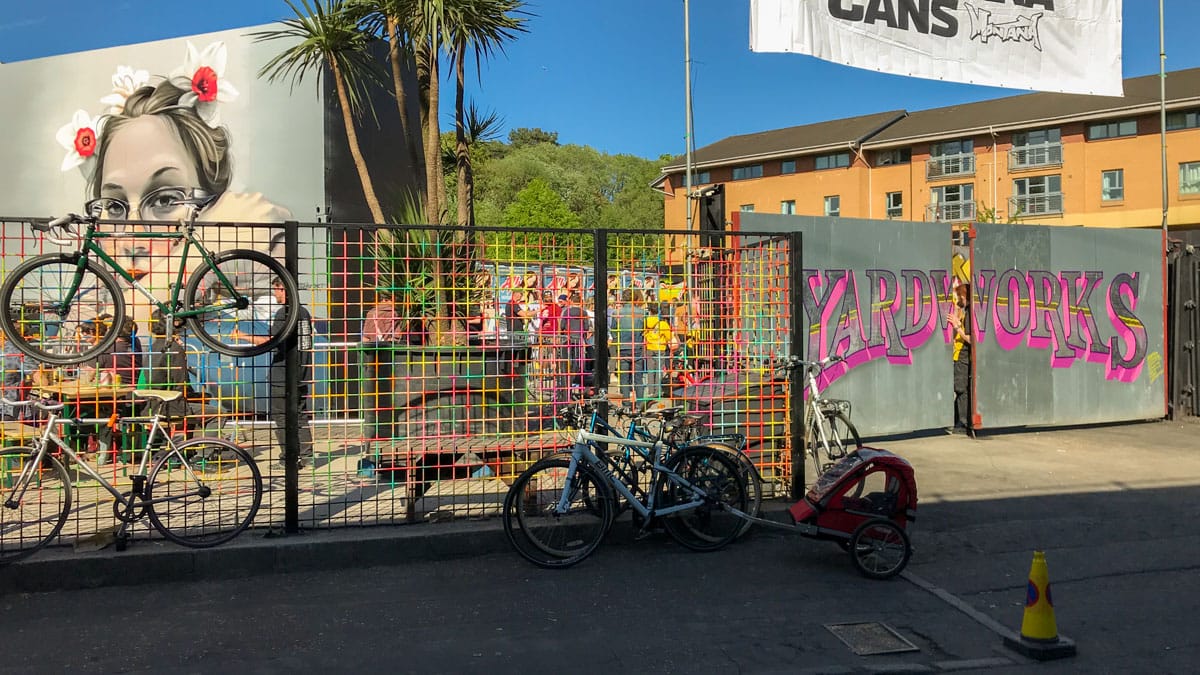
[1039, 637]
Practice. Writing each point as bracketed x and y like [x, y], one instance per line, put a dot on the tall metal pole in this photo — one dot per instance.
[688, 281]
[1162, 74]
[687, 102]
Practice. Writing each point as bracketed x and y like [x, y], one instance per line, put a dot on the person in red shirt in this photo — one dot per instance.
[548, 318]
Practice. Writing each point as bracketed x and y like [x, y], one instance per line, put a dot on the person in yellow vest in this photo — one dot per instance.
[660, 342]
[960, 319]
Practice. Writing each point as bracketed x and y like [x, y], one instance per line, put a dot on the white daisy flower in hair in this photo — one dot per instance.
[125, 81]
[79, 138]
[202, 77]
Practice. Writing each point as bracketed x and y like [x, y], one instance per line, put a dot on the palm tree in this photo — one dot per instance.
[326, 33]
[481, 26]
[428, 24]
[395, 20]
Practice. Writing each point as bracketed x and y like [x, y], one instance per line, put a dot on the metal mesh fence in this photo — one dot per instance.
[435, 361]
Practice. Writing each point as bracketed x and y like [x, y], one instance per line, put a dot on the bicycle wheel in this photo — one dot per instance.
[840, 438]
[204, 492]
[751, 482]
[252, 274]
[37, 323]
[880, 549]
[33, 511]
[535, 527]
[710, 525]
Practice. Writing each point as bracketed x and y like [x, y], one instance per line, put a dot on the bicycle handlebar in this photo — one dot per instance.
[40, 404]
[61, 223]
[37, 403]
[793, 362]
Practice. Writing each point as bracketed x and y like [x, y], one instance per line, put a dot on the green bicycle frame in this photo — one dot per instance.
[90, 237]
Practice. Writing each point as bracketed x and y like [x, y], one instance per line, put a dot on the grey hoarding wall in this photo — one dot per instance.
[877, 292]
[1069, 325]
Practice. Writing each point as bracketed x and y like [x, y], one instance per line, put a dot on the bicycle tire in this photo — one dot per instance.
[880, 549]
[549, 539]
[234, 492]
[241, 264]
[840, 429]
[69, 326]
[52, 479]
[709, 526]
[752, 480]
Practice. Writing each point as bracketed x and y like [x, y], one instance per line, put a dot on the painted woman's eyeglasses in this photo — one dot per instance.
[160, 204]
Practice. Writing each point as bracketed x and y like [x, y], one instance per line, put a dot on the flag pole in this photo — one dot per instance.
[688, 282]
[1162, 75]
[687, 102]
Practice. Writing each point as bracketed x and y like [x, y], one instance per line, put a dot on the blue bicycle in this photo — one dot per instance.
[559, 510]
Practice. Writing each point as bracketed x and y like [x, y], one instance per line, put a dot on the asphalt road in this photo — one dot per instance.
[1114, 508]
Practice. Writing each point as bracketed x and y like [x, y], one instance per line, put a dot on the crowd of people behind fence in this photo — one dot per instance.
[649, 338]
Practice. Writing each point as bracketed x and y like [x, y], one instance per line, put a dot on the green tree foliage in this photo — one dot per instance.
[524, 137]
[597, 189]
[558, 239]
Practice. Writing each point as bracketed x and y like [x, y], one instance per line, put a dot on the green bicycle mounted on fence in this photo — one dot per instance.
[53, 303]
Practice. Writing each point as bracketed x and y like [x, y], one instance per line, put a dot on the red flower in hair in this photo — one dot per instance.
[85, 142]
[204, 84]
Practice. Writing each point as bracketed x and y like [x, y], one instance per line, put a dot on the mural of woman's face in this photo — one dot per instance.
[146, 167]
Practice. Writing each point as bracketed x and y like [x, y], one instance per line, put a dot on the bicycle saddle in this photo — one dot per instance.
[666, 414]
[164, 395]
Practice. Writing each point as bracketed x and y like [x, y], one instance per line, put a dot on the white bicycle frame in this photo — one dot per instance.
[50, 438]
[650, 451]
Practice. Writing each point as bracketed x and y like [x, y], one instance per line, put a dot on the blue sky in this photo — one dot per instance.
[606, 73]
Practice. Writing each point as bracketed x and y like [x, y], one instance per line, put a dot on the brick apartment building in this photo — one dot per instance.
[1041, 158]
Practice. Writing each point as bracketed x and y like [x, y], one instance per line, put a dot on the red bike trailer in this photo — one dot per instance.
[864, 503]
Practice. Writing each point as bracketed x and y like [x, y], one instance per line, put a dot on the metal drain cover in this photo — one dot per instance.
[867, 639]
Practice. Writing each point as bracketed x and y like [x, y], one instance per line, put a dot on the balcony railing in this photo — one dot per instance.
[1033, 156]
[947, 166]
[951, 212]
[1036, 205]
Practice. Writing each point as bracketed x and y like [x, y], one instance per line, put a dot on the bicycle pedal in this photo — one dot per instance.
[646, 532]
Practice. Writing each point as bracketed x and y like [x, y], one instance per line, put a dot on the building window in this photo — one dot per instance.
[1189, 178]
[952, 203]
[952, 158]
[1037, 195]
[788, 207]
[837, 160]
[1103, 130]
[699, 178]
[746, 208]
[1183, 120]
[1036, 148]
[948, 148]
[787, 166]
[833, 206]
[1112, 185]
[895, 205]
[890, 157]
[749, 171]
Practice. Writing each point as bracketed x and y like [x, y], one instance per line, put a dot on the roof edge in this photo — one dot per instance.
[1139, 109]
[794, 152]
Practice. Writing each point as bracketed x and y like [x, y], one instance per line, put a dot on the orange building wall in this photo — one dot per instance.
[863, 190]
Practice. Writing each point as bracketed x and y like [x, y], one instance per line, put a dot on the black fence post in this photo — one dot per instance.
[291, 434]
[600, 309]
[799, 333]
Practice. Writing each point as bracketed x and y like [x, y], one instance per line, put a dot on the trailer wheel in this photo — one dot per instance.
[880, 549]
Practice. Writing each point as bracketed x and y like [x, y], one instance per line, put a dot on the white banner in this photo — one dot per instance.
[1070, 46]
